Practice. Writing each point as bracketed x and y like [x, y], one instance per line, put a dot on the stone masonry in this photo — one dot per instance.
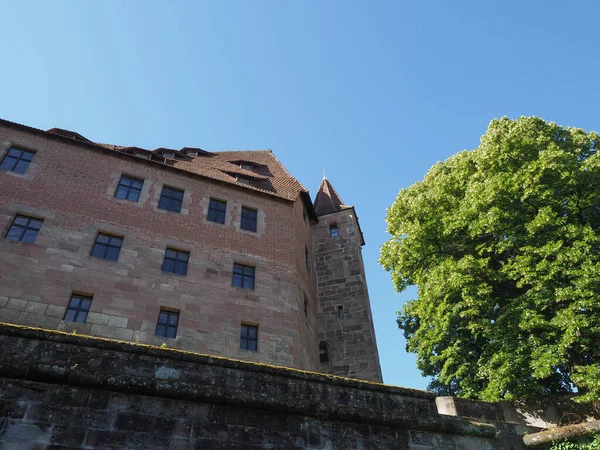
[64, 391]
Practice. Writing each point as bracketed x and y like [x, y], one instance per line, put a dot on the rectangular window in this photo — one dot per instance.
[249, 217]
[129, 188]
[340, 311]
[243, 180]
[167, 323]
[249, 337]
[333, 230]
[170, 199]
[176, 261]
[246, 166]
[107, 246]
[216, 210]
[305, 306]
[24, 229]
[17, 160]
[243, 276]
[307, 259]
[78, 308]
[169, 155]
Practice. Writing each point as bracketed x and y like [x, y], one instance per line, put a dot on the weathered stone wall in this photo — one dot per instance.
[60, 390]
[341, 282]
[72, 188]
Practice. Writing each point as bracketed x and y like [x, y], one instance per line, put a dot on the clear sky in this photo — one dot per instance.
[374, 92]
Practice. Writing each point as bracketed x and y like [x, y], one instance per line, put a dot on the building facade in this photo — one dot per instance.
[221, 253]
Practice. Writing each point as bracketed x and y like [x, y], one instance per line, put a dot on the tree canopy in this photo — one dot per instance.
[503, 245]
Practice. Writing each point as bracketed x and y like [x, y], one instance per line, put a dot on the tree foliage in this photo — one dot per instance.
[503, 244]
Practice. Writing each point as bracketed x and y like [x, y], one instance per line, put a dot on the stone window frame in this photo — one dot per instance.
[212, 200]
[334, 226]
[78, 309]
[32, 168]
[169, 312]
[260, 218]
[249, 325]
[115, 178]
[29, 218]
[205, 203]
[178, 250]
[248, 220]
[185, 202]
[111, 236]
[244, 265]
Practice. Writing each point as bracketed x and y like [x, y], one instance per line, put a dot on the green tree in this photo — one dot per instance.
[503, 244]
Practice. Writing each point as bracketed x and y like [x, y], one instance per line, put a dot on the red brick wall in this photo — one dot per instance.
[72, 188]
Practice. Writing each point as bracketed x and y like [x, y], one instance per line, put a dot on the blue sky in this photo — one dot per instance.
[372, 92]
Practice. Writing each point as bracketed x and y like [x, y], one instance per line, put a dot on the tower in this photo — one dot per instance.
[347, 344]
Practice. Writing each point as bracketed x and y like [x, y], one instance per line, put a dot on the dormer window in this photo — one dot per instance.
[142, 156]
[243, 180]
[168, 155]
[194, 153]
[246, 165]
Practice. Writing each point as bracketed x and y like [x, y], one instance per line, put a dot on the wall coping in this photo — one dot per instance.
[45, 359]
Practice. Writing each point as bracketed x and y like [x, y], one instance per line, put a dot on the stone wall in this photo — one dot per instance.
[348, 333]
[60, 390]
[71, 186]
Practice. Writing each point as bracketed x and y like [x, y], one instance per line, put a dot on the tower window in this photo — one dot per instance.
[340, 311]
[243, 276]
[249, 218]
[323, 352]
[216, 210]
[333, 230]
[78, 308]
[107, 246]
[24, 229]
[249, 337]
[17, 160]
[176, 261]
[170, 199]
[129, 188]
[167, 324]
[307, 259]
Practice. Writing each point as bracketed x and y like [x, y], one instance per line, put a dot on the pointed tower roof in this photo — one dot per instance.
[328, 201]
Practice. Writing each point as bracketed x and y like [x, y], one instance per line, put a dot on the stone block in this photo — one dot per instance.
[97, 318]
[3, 301]
[115, 321]
[15, 303]
[36, 319]
[9, 315]
[55, 311]
[102, 330]
[35, 307]
[123, 334]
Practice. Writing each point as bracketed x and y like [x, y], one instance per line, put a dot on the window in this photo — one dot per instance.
[78, 308]
[216, 210]
[192, 153]
[167, 324]
[246, 166]
[243, 180]
[170, 199]
[249, 337]
[129, 188]
[17, 160]
[107, 246]
[323, 352]
[243, 276]
[248, 219]
[142, 156]
[176, 261]
[333, 230]
[340, 311]
[169, 155]
[307, 259]
[305, 305]
[24, 229]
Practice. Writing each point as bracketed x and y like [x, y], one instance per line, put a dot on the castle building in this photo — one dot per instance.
[222, 253]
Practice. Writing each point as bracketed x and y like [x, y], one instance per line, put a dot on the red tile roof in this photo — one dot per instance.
[328, 201]
[268, 176]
